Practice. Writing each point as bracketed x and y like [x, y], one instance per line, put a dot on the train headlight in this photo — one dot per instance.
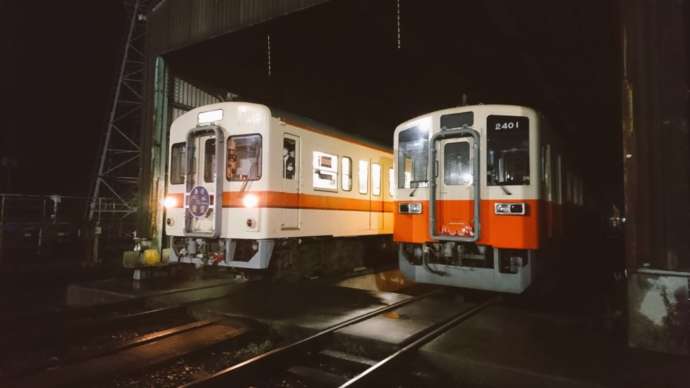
[250, 200]
[169, 202]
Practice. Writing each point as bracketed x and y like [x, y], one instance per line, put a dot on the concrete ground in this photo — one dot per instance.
[163, 291]
[507, 347]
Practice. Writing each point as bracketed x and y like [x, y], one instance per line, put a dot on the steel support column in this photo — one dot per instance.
[656, 165]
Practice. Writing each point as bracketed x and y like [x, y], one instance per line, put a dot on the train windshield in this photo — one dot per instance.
[413, 157]
[508, 150]
[244, 158]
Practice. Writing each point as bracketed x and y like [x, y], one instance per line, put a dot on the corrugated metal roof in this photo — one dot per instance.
[174, 24]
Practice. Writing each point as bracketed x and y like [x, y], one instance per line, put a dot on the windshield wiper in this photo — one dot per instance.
[414, 190]
[505, 190]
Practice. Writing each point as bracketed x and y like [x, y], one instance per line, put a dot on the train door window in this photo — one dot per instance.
[289, 158]
[325, 171]
[210, 160]
[346, 172]
[391, 182]
[375, 179]
[456, 163]
[508, 150]
[363, 175]
[244, 158]
[178, 163]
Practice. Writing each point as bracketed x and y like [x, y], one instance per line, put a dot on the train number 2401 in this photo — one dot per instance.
[504, 126]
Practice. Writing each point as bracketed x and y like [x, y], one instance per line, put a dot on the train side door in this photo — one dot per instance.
[454, 210]
[291, 182]
[203, 200]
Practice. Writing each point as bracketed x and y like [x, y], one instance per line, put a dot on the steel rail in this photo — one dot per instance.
[365, 378]
[245, 369]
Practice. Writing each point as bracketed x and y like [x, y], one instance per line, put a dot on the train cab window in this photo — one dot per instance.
[391, 182]
[210, 160]
[456, 164]
[346, 172]
[507, 150]
[325, 171]
[244, 158]
[289, 158]
[178, 163]
[375, 179]
[413, 157]
[363, 177]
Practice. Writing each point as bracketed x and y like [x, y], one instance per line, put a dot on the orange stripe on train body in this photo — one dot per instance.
[501, 231]
[278, 199]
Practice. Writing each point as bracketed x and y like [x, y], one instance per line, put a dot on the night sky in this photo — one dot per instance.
[337, 63]
[59, 64]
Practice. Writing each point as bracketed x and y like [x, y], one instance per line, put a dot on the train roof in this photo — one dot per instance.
[316, 126]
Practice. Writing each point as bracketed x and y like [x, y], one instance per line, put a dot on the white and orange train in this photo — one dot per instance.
[243, 181]
[480, 195]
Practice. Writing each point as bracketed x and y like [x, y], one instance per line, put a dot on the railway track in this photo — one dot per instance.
[35, 341]
[52, 325]
[135, 355]
[287, 360]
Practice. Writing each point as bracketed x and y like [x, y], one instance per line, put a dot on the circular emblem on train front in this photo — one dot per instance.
[199, 201]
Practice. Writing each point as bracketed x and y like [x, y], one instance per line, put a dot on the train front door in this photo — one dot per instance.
[455, 193]
[204, 197]
[290, 183]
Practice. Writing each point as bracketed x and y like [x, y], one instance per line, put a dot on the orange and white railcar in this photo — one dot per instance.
[242, 177]
[479, 196]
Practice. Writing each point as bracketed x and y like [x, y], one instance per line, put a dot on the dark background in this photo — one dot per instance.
[59, 62]
[337, 63]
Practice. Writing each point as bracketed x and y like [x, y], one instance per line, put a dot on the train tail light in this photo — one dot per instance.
[510, 209]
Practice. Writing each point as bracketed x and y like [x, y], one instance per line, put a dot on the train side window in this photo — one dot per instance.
[391, 182]
[325, 171]
[346, 172]
[210, 160]
[375, 179]
[244, 158]
[289, 161]
[456, 164]
[178, 163]
[508, 156]
[363, 175]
